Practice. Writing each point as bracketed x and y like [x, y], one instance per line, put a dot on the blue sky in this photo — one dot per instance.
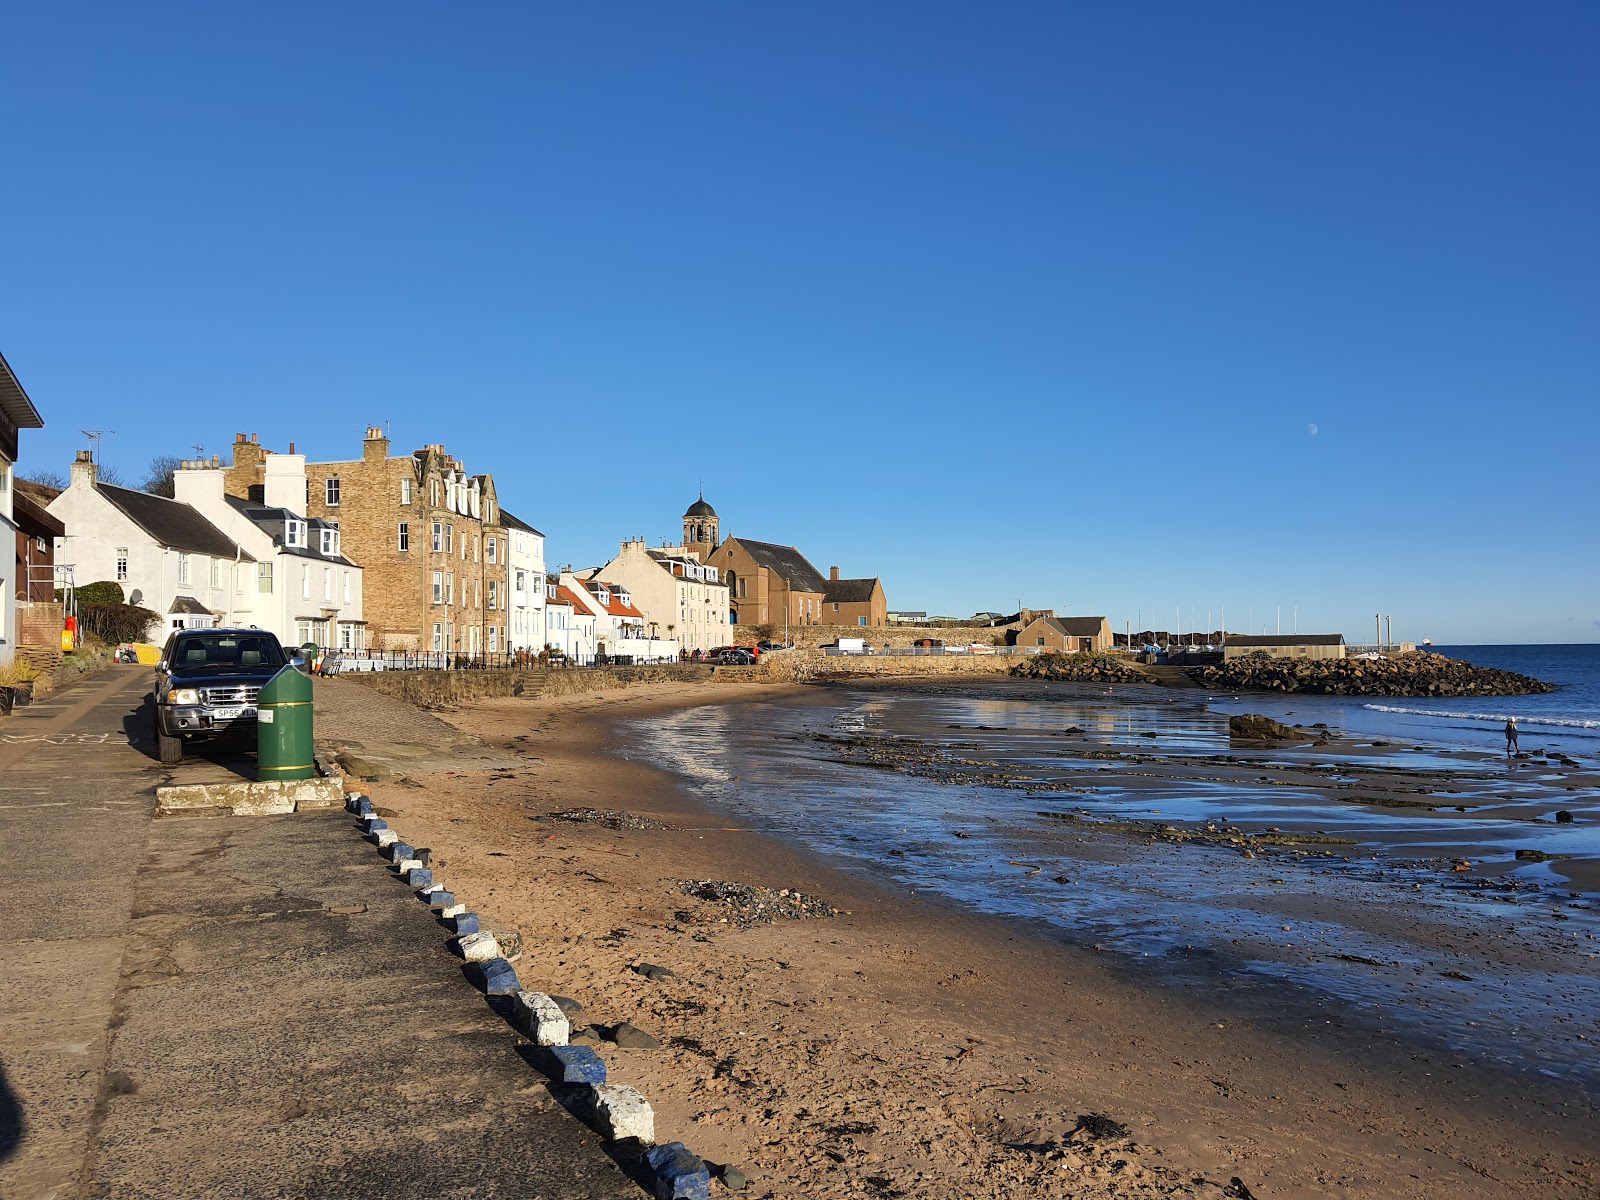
[1109, 308]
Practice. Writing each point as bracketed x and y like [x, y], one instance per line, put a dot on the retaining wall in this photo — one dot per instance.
[436, 688]
[803, 666]
[804, 636]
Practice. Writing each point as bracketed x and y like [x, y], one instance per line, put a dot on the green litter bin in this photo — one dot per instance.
[283, 727]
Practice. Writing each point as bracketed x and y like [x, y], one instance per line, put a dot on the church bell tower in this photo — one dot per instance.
[700, 528]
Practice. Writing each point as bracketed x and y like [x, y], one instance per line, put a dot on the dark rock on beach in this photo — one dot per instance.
[1417, 673]
[1254, 727]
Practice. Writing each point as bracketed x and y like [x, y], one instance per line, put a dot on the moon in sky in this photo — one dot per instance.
[1312, 430]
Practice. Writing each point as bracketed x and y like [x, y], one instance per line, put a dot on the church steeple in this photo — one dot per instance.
[701, 527]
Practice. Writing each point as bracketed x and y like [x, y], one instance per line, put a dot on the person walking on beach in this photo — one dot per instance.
[1511, 736]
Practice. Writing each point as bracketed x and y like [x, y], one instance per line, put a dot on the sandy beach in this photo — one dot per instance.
[911, 1046]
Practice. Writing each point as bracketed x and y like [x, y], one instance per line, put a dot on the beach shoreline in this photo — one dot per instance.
[911, 1047]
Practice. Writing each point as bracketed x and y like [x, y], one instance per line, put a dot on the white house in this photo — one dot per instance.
[569, 622]
[303, 587]
[525, 629]
[16, 412]
[620, 626]
[165, 554]
[679, 595]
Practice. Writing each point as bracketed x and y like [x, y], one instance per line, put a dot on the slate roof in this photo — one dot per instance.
[270, 521]
[1075, 626]
[173, 525]
[1287, 639]
[188, 604]
[787, 563]
[614, 605]
[849, 591]
[700, 509]
[511, 522]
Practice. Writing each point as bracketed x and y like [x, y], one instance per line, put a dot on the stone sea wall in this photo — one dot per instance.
[810, 636]
[1082, 668]
[1415, 674]
[434, 689]
[806, 666]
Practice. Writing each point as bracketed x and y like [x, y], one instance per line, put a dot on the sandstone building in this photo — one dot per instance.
[430, 538]
[771, 584]
[854, 601]
[1298, 645]
[1066, 635]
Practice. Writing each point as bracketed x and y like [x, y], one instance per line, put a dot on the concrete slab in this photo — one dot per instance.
[251, 798]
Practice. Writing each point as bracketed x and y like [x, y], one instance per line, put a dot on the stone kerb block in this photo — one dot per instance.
[571, 1064]
[464, 922]
[496, 977]
[678, 1173]
[478, 947]
[418, 877]
[439, 899]
[402, 865]
[384, 839]
[359, 804]
[546, 1024]
[621, 1112]
[399, 850]
[373, 824]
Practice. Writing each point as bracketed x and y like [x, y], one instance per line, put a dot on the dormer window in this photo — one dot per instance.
[330, 541]
[294, 535]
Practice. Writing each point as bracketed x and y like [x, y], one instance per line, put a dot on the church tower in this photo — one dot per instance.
[701, 534]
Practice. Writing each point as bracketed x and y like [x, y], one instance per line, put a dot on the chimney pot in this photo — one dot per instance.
[253, 439]
[85, 456]
[291, 447]
[239, 437]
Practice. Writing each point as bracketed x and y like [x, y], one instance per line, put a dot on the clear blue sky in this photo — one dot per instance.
[1036, 301]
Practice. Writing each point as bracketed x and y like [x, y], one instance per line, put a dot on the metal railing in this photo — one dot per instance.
[933, 651]
[336, 662]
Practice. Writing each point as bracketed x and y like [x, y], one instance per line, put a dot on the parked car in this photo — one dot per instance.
[206, 685]
[765, 646]
[736, 656]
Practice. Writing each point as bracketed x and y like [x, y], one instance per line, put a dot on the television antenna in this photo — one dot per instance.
[94, 436]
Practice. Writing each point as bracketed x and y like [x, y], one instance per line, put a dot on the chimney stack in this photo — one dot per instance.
[833, 572]
[84, 472]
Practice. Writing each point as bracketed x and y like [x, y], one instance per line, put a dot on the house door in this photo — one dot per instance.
[1085, 645]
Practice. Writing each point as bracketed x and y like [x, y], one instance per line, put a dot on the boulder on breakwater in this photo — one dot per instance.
[1080, 668]
[1413, 674]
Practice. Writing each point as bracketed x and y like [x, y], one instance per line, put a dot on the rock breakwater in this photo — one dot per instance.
[1415, 674]
[1080, 668]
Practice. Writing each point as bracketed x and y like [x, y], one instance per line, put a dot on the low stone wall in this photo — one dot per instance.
[805, 636]
[806, 666]
[435, 689]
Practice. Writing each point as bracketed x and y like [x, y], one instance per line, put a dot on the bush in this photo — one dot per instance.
[103, 592]
[114, 623]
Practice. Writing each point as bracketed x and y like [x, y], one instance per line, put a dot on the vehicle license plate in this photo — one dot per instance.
[231, 714]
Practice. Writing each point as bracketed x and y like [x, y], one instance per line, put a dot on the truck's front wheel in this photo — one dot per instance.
[168, 748]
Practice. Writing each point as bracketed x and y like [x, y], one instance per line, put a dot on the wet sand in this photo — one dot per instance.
[911, 1047]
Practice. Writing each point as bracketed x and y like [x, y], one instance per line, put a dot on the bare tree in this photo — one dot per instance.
[158, 479]
[44, 477]
[109, 473]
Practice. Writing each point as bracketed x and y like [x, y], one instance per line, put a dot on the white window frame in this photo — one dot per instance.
[405, 491]
[305, 582]
[294, 534]
[491, 550]
[438, 537]
[347, 587]
[122, 564]
[327, 583]
[330, 491]
[494, 594]
[264, 578]
[403, 537]
[183, 567]
[438, 636]
[449, 588]
[216, 574]
[330, 541]
[438, 588]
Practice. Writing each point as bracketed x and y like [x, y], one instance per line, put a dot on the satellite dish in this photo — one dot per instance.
[136, 597]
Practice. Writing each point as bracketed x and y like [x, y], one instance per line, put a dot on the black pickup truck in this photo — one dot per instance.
[207, 682]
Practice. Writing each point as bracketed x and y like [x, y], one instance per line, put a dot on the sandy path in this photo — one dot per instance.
[906, 1049]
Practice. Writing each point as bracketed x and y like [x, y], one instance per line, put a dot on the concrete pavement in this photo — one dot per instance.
[222, 1006]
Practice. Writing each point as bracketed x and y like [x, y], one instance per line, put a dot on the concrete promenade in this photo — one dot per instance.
[221, 1006]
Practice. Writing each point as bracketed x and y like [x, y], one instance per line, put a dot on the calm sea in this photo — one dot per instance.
[1568, 718]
